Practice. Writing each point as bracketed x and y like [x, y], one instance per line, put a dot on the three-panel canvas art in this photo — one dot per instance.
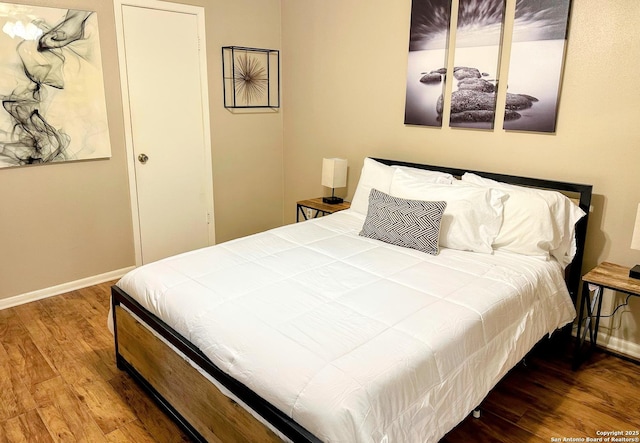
[536, 59]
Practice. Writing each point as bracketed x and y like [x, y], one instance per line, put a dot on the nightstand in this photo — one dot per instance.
[603, 276]
[318, 208]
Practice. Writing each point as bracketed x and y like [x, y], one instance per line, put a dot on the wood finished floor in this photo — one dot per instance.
[59, 383]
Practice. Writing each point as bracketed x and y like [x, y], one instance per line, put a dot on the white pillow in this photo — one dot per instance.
[376, 175]
[427, 175]
[473, 215]
[536, 222]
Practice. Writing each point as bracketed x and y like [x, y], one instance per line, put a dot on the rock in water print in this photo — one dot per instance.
[477, 64]
[51, 86]
[535, 63]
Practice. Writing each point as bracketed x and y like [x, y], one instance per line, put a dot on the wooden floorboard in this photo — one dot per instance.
[59, 383]
[546, 401]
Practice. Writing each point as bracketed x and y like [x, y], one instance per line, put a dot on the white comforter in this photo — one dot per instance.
[355, 339]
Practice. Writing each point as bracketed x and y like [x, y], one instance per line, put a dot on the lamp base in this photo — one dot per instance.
[332, 200]
[635, 272]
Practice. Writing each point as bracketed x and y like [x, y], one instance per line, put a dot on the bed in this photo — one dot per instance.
[350, 327]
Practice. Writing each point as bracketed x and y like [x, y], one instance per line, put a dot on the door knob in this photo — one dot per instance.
[142, 158]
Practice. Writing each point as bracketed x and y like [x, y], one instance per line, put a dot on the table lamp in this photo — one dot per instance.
[334, 175]
[635, 244]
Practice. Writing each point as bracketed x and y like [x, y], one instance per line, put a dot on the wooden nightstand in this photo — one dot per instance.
[603, 276]
[319, 208]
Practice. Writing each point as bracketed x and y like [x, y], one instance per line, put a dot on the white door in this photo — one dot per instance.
[164, 81]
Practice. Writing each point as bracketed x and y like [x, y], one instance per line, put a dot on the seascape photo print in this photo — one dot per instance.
[427, 62]
[476, 63]
[535, 68]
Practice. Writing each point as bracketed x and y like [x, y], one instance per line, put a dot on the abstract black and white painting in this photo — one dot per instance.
[51, 86]
[476, 63]
[535, 67]
[427, 61]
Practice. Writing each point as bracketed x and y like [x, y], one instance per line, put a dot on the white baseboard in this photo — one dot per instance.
[615, 344]
[619, 345]
[62, 288]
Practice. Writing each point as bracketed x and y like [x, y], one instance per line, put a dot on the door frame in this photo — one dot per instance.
[128, 130]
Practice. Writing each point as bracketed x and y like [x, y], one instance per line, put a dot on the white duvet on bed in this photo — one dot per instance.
[355, 339]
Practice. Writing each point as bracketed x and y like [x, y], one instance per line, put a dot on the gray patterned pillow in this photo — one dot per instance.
[408, 223]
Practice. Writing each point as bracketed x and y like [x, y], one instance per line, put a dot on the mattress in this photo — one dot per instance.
[355, 339]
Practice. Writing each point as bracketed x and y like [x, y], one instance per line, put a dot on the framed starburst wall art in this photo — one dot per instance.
[251, 77]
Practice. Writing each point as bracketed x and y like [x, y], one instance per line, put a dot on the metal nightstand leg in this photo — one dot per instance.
[589, 304]
[300, 210]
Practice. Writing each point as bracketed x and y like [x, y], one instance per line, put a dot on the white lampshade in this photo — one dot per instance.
[334, 172]
[635, 240]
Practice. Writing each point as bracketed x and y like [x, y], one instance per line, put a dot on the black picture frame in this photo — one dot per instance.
[251, 77]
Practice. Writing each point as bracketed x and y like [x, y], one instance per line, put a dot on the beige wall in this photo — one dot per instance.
[344, 64]
[65, 222]
[344, 75]
[247, 146]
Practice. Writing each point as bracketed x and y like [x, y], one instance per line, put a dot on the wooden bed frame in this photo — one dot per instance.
[198, 405]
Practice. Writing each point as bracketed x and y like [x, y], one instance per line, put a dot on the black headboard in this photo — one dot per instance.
[581, 192]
